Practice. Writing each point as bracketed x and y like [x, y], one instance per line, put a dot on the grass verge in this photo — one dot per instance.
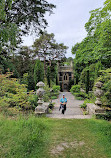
[54, 138]
[24, 138]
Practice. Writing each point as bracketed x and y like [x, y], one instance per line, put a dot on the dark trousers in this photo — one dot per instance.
[63, 107]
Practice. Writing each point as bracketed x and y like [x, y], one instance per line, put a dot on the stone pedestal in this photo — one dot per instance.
[93, 109]
[40, 109]
[98, 93]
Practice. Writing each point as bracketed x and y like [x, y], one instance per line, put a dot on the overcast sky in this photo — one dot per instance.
[68, 20]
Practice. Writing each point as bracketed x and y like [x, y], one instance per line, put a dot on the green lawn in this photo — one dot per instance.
[54, 138]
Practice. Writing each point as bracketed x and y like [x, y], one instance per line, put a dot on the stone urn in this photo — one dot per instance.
[40, 92]
[98, 93]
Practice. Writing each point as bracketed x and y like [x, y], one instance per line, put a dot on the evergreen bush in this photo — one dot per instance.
[38, 71]
[56, 88]
[75, 89]
[81, 95]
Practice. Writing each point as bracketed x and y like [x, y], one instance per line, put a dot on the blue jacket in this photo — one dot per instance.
[63, 100]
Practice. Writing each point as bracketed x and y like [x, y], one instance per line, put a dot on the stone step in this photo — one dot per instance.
[69, 116]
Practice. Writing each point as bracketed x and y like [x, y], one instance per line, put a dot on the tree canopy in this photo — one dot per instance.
[47, 49]
[96, 47]
[19, 17]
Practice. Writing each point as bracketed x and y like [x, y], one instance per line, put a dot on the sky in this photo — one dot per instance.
[68, 21]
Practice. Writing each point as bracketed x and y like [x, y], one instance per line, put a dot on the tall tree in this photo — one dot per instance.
[47, 49]
[29, 14]
[19, 17]
[8, 29]
[23, 61]
[96, 47]
[38, 72]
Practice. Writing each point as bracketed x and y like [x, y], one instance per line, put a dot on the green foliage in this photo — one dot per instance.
[29, 15]
[56, 88]
[51, 93]
[8, 30]
[75, 89]
[94, 52]
[105, 77]
[24, 137]
[51, 105]
[8, 33]
[47, 48]
[81, 95]
[48, 76]
[18, 18]
[31, 83]
[85, 112]
[53, 97]
[67, 63]
[47, 94]
[94, 72]
[98, 67]
[14, 94]
[71, 83]
[33, 99]
[51, 73]
[38, 71]
[106, 116]
[55, 91]
[28, 80]
[25, 79]
[6, 63]
[83, 106]
[23, 61]
[33, 137]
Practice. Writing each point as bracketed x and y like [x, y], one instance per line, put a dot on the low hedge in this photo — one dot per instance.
[81, 95]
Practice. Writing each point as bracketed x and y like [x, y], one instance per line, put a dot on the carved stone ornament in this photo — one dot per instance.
[40, 92]
[98, 84]
[98, 93]
[40, 84]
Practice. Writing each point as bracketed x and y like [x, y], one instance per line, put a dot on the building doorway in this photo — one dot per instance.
[65, 87]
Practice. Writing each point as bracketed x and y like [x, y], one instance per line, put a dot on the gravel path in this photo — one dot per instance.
[73, 108]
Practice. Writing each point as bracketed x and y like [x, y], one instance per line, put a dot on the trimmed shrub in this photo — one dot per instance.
[56, 88]
[81, 95]
[75, 89]
[53, 97]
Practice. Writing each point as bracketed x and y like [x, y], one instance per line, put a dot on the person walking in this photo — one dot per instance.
[63, 102]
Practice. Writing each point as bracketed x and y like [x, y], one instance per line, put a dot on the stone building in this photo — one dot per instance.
[65, 75]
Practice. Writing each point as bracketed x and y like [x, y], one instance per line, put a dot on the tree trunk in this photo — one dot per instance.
[45, 67]
[87, 81]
